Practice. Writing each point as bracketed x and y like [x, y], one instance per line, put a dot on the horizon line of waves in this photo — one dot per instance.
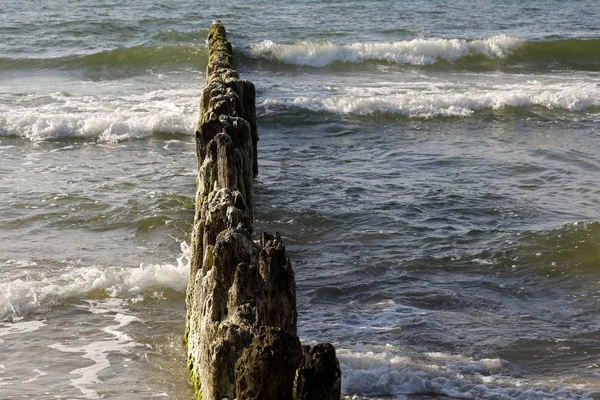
[30, 289]
[492, 53]
[134, 58]
[574, 98]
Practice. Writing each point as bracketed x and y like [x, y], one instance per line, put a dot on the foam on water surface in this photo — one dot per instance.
[98, 351]
[35, 378]
[109, 114]
[421, 51]
[389, 371]
[20, 327]
[407, 59]
[83, 356]
[494, 52]
[446, 101]
[27, 291]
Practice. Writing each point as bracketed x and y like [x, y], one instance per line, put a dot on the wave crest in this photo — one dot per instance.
[106, 117]
[386, 372]
[414, 104]
[31, 290]
[110, 127]
[422, 51]
[495, 52]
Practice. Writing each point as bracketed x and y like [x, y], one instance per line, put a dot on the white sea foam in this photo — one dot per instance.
[422, 51]
[109, 117]
[35, 378]
[98, 352]
[448, 101]
[107, 127]
[361, 319]
[2, 372]
[23, 292]
[388, 371]
[20, 327]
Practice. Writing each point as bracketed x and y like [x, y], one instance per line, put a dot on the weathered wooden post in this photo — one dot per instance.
[241, 332]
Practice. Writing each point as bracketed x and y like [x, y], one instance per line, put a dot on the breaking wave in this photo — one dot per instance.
[384, 371]
[174, 51]
[490, 53]
[574, 97]
[106, 117]
[27, 288]
[413, 52]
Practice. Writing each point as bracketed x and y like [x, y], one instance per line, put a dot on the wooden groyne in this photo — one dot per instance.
[241, 334]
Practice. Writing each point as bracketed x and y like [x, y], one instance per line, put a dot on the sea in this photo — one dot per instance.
[433, 168]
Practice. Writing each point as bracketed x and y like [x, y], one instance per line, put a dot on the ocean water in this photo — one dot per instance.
[433, 167]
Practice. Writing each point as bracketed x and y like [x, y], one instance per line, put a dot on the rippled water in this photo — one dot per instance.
[432, 169]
